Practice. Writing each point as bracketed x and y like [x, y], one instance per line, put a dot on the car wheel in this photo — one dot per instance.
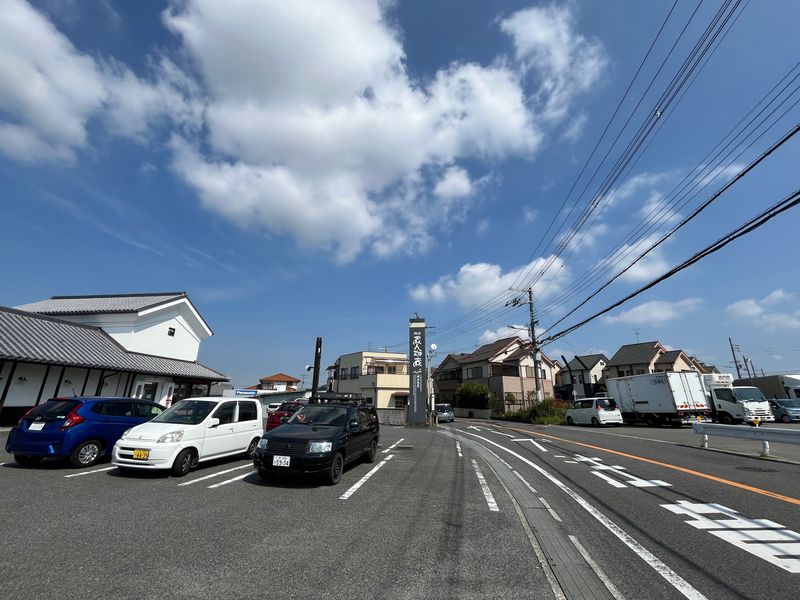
[334, 473]
[570, 421]
[595, 422]
[27, 461]
[726, 419]
[785, 418]
[372, 453]
[86, 454]
[251, 449]
[183, 463]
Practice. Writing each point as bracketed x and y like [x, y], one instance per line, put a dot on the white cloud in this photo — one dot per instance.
[491, 335]
[656, 312]
[50, 91]
[482, 227]
[477, 283]
[566, 63]
[752, 311]
[656, 209]
[575, 129]
[652, 265]
[455, 183]
[585, 239]
[529, 215]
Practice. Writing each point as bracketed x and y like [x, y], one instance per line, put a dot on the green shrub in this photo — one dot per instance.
[547, 412]
[473, 395]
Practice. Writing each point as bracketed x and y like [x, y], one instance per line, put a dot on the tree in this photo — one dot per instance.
[473, 395]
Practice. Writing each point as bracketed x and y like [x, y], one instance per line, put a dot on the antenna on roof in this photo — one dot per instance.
[636, 331]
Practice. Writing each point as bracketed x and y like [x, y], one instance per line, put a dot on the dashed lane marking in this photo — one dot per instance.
[550, 509]
[90, 472]
[227, 481]
[508, 435]
[487, 493]
[678, 582]
[390, 448]
[734, 484]
[217, 474]
[364, 479]
[458, 448]
[596, 568]
[525, 481]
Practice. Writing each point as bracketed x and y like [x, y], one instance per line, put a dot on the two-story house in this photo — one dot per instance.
[135, 345]
[651, 357]
[279, 382]
[583, 376]
[380, 377]
[505, 366]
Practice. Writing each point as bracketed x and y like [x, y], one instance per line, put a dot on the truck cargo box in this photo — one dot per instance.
[659, 397]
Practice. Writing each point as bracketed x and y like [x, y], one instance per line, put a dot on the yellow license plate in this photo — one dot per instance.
[141, 454]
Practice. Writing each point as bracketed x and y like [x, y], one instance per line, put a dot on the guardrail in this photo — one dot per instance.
[763, 434]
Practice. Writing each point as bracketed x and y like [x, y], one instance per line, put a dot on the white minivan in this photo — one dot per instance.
[189, 432]
[594, 411]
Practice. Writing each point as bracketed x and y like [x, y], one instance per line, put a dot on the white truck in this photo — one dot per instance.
[735, 403]
[775, 386]
[659, 398]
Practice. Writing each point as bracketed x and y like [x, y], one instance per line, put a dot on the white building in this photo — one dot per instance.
[380, 377]
[138, 345]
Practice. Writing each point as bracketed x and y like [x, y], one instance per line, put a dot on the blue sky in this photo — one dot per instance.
[331, 168]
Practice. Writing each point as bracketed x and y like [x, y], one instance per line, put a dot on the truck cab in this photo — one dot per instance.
[735, 404]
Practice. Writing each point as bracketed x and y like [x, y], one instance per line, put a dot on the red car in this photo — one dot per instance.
[287, 409]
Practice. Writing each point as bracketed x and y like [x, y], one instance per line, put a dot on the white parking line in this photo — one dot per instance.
[550, 509]
[596, 568]
[487, 493]
[1, 464]
[227, 481]
[678, 582]
[392, 446]
[90, 472]
[364, 479]
[215, 474]
[458, 448]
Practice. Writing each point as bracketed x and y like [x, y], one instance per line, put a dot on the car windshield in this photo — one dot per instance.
[789, 403]
[189, 412]
[748, 394]
[320, 415]
[54, 409]
[443, 408]
[289, 407]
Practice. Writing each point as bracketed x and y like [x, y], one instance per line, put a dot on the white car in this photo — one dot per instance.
[189, 432]
[594, 411]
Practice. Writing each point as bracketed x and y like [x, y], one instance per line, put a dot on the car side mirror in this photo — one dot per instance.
[354, 424]
[214, 422]
[284, 419]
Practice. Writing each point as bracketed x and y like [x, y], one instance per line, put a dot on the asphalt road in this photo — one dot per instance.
[472, 510]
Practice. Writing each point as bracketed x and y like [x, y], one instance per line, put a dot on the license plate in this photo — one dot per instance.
[141, 454]
[36, 427]
[280, 461]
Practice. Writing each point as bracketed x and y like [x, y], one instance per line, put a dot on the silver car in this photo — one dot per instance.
[445, 413]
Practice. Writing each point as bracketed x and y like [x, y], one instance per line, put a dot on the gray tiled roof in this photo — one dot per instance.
[487, 351]
[81, 305]
[669, 357]
[634, 354]
[29, 337]
[590, 360]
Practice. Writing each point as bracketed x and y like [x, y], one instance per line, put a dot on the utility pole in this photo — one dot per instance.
[315, 378]
[735, 360]
[747, 368]
[534, 341]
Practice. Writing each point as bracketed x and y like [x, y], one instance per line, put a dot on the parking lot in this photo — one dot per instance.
[471, 510]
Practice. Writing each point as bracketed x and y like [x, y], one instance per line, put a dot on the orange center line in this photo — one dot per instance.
[729, 482]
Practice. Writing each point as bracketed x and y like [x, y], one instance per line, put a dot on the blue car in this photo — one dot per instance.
[79, 429]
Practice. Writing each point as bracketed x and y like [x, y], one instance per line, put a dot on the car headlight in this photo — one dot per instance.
[125, 433]
[320, 446]
[263, 443]
[172, 436]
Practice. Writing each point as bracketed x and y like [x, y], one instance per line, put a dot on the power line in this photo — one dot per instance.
[763, 217]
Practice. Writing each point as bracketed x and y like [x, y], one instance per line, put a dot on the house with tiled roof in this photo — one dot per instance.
[279, 382]
[651, 357]
[584, 369]
[135, 345]
[505, 365]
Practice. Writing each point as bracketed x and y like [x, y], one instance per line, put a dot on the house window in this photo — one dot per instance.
[171, 332]
[640, 371]
[353, 372]
[474, 373]
[391, 370]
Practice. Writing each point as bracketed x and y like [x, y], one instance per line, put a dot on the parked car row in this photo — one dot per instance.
[141, 435]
